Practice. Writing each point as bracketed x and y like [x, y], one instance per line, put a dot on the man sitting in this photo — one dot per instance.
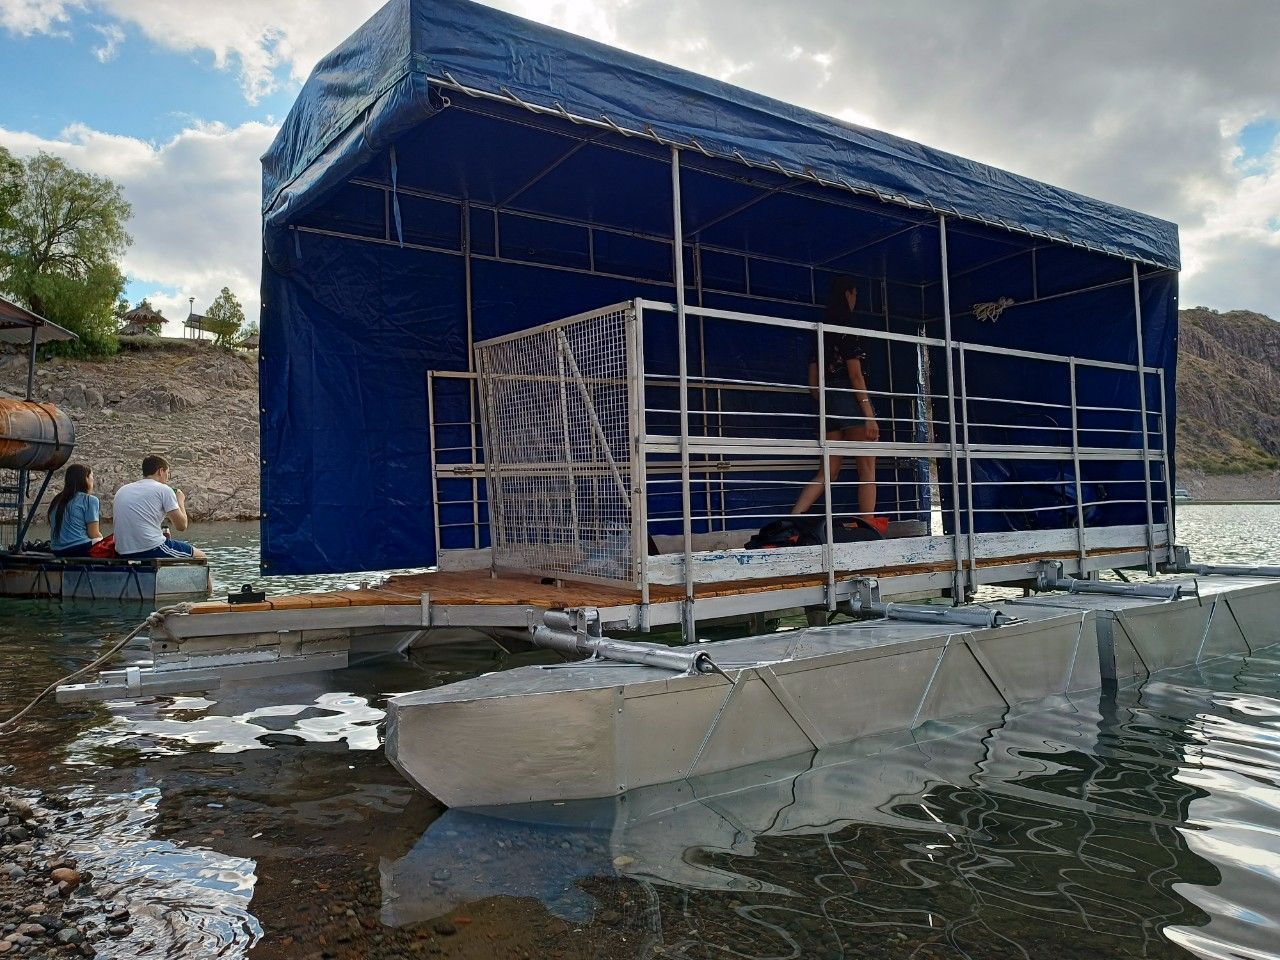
[141, 507]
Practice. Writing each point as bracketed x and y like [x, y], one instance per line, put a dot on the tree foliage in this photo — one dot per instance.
[224, 318]
[60, 248]
[10, 188]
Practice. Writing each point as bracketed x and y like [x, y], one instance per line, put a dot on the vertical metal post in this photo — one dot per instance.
[828, 538]
[686, 499]
[1142, 406]
[31, 364]
[22, 474]
[958, 588]
[568, 452]
[1082, 548]
[892, 433]
[431, 436]
[1170, 539]
[968, 467]
[472, 391]
[639, 457]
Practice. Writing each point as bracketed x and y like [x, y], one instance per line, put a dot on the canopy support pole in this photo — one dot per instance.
[686, 499]
[957, 587]
[473, 398]
[1142, 406]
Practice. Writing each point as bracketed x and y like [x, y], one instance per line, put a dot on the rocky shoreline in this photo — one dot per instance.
[192, 402]
[48, 906]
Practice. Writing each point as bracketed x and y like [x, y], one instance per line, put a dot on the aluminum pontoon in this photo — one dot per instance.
[540, 314]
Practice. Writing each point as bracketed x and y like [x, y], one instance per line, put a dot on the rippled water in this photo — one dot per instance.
[263, 821]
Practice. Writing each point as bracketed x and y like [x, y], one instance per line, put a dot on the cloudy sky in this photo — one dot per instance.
[1168, 106]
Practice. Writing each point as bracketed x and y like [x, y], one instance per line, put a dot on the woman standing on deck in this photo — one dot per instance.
[74, 514]
[850, 415]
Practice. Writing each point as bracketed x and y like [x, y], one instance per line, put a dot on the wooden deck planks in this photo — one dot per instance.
[470, 588]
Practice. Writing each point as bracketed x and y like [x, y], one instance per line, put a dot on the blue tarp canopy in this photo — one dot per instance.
[451, 173]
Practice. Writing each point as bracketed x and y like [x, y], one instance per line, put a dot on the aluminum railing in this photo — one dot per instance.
[749, 447]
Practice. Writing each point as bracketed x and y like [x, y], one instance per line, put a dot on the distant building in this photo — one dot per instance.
[250, 342]
[142, 321]
[193, 328]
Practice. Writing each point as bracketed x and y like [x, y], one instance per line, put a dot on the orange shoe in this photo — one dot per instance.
[881, 524]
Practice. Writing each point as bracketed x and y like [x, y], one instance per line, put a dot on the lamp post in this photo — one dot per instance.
[191, 309]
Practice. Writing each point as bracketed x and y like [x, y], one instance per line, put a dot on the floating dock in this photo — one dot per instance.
[160, 582]
[598, 728]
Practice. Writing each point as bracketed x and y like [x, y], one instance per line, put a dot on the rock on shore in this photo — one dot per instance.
[193, 403]
[48, 906]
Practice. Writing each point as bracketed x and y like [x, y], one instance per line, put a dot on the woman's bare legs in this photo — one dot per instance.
[866, 477]
[813, 490]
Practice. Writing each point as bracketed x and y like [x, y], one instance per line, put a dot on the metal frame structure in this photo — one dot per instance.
[971, 559]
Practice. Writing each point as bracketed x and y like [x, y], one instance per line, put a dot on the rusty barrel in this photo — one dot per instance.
[34, 436]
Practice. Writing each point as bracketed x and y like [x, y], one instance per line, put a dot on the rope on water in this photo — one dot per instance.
[154, 620]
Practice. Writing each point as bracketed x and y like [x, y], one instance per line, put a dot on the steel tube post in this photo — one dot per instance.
[473, 391]
[686, 498]
[958, 589]
[431, 437]
[639, 461]
[1081, 548]
[1142, 405]
[829, 538]
[1170, 539]
[968, 465]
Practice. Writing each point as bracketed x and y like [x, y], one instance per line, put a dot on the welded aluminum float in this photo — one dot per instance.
[598, 728]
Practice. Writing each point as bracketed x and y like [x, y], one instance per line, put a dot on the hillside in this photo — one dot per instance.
[193, 403]
[1229, 404]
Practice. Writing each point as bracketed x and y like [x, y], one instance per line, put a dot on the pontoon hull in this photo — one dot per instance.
[592, 730]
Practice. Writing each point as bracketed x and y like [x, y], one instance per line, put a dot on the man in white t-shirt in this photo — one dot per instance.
[139, 510]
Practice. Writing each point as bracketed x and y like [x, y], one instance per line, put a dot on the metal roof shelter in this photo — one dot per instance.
[451, 173]
[17, 324]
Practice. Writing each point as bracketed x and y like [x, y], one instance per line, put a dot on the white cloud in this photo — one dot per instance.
[1139, 104]
[195, 199]
[25, 17]
[112, 38]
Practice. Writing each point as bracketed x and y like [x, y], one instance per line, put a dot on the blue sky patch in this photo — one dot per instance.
[1256, 140]
[143, 91]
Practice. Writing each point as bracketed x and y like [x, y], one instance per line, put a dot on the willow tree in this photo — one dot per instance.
[60, 248]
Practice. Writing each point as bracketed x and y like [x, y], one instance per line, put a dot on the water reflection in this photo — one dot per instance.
[1113, 825]
[1146, 823]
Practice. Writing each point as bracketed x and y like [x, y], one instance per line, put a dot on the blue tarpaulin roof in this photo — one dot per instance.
[373, 87]
[443, 131]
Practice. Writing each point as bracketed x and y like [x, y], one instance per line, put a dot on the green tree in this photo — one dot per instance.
[60, 249]
[10, 188]
[224, 318]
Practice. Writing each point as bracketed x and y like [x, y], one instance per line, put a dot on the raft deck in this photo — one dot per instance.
[471, 598]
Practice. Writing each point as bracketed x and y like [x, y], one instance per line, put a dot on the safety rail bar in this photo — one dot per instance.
[707, 455]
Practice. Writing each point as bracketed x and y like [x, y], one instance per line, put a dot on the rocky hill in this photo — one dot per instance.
[1229, 404]
[193, 403]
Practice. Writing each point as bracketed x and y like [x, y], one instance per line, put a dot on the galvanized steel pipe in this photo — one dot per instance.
[1170, 592]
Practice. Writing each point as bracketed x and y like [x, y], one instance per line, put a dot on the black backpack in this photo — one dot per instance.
[808, 532]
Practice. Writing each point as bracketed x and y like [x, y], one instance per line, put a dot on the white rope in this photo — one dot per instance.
[154, 620]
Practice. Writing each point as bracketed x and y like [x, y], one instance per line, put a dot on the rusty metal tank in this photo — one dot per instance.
[34, 436]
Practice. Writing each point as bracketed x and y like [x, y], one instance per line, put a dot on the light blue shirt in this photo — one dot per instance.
[76, 517]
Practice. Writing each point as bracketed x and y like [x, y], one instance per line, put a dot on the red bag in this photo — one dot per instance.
[104, 549]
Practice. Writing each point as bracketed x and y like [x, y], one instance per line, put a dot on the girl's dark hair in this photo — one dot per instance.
[75, 481]
[837, 307]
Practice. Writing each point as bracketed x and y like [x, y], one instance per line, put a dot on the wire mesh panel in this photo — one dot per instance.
[559, 435]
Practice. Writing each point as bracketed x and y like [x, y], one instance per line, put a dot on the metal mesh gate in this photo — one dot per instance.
[559, 434]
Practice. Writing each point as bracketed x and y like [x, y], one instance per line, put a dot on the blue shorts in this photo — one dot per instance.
[169, 550]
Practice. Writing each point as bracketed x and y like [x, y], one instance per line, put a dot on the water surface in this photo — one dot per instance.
[262, 820]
